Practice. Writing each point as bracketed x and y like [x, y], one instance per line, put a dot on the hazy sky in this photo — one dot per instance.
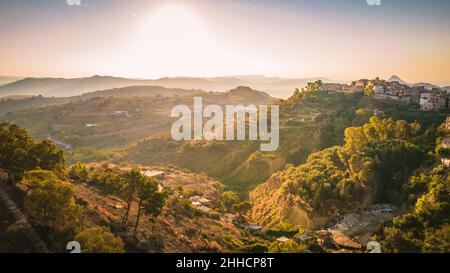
[338, 39]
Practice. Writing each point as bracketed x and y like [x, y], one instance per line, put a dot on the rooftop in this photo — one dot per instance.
[282, 239]
[342, 240]
[153, 173]
[204, 209]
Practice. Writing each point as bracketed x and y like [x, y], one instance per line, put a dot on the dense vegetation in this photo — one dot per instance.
[99, 240]
[19, 153]
[426, 227]
[371, 166]
[337, 154]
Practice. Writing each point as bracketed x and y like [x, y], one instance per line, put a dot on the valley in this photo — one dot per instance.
[317, 178]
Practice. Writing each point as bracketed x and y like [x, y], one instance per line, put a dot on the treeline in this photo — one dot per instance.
[20, 153]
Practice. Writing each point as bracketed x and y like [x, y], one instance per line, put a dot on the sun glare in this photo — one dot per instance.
[172, 22]
[178, 40]
[170, 38]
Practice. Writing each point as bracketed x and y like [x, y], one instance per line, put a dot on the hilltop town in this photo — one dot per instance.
[428, 97]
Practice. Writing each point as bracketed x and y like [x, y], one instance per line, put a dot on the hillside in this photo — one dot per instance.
[121, 126]
[179, 228]
[19, 102]
[7, 79]
[117, 119]
[93, 199]
[372, 166]
[306, 126]
[60, 87]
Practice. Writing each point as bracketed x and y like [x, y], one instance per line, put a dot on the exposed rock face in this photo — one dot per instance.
[272, 205]
[359, 225]
[277, 201]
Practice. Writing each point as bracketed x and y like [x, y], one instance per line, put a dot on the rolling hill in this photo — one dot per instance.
[8, 79]
[19, 102]
[60, 87]
[115, 117]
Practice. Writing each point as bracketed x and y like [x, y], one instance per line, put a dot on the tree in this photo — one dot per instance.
[99, 240]
[313, 86]
[355, 138]
[133, 179]
[229, 198]
[151, 201]
[363, 112]
[319, 84]
[50, 201]
[438, 241]
[242, 207]
[286, 247]
[402, 130]
[14, 146]
[369, 90]
[20, 153]
[111, 182]
[397, 241]
[78, 172]
[362, 116]
[47, 156]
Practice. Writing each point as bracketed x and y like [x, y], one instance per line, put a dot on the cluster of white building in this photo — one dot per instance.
[201, 203]
[429, 98]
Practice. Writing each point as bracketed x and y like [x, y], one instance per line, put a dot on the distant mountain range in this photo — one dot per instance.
[395, 78]
[5, 79]
[60, 87]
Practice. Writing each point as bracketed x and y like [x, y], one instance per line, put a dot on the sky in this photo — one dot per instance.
[338, 39]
